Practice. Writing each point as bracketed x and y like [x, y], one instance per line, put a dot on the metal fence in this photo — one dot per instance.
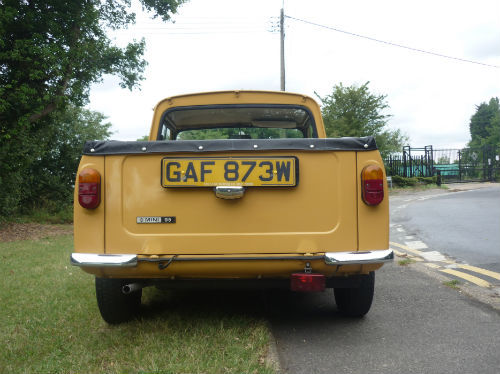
[454, 165]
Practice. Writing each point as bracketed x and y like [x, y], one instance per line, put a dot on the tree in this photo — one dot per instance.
[51, 52]
[52, 176]
[485, 125]
[47, 180]
[355, 111]
[235, 133]
[443, 160]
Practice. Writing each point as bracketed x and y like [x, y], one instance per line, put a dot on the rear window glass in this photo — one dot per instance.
[237, 122]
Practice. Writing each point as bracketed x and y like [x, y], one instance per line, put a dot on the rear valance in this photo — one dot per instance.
[114, 147]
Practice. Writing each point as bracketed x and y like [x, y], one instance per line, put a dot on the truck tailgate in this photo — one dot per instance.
[316, 215]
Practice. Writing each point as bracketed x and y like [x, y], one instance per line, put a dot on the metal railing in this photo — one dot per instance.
[454, 165]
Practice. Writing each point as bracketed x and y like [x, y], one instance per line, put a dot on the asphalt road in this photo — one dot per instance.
[462, 225]
[416, 324]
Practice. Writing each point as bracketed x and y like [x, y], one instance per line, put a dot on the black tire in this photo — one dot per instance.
[356, 302]
[114, 305]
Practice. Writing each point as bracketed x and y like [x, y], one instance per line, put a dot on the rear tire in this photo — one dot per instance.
[114, 305]
[356, 302]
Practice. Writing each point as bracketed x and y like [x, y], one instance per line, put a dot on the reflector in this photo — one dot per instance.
[306, 282]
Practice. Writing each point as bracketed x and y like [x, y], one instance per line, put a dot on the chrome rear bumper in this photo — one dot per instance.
[330, 258]
[359, 258]
[94, 259]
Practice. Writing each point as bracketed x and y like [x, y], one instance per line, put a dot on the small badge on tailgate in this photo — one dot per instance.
[155, 219]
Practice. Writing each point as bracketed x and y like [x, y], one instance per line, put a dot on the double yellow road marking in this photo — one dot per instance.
[459, 274]
[467, 277]
[475, 269]
[408, 249]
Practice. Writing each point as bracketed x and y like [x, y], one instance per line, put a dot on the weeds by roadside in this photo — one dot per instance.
[452, 284]
[406, 262]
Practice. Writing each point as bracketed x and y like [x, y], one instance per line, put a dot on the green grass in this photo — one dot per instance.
[50, 323]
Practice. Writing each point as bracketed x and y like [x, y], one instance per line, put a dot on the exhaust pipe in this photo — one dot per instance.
[132, 287]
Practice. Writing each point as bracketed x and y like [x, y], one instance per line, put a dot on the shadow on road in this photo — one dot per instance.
[275, 305]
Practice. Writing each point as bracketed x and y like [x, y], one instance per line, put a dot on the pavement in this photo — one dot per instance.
[445, 188]
[455, 187]
[420, 322]
[416, 325]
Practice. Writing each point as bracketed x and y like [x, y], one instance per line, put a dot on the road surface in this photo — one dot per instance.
[418, 323]
[462, 225]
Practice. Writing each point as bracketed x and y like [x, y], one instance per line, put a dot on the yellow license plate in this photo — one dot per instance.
[229, 171]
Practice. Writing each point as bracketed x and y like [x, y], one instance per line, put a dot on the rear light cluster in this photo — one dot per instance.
[89, 188]
[372, 185]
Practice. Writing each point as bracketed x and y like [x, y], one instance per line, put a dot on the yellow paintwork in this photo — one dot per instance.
[323, 213]
[317, 215]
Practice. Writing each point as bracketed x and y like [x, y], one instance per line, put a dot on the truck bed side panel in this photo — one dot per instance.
[373, 221]
[89, 223]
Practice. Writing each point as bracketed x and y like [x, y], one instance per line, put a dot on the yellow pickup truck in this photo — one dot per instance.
[233, 189]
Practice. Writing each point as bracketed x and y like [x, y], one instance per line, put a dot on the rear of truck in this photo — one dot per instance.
[234, 189]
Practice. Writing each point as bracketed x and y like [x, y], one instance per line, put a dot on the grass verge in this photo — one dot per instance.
[51, 324]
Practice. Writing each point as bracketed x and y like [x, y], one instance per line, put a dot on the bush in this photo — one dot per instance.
[51, 213]
[427, 180]
[38, 166]
[403, 181]
[413, 181]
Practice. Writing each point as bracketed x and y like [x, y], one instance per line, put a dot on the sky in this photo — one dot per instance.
[234, 44]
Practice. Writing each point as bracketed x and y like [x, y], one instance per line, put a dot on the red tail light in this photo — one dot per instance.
[307, 282]
[89, 188]
[372, 184]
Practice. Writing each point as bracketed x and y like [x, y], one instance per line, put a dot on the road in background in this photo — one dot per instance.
[463, 225]
[416, 324]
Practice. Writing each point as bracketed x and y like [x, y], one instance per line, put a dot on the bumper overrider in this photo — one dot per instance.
[330, 258]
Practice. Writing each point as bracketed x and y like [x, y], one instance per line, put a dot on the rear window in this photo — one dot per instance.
[237, 122]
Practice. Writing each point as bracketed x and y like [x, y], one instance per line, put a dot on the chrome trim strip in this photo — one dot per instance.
[94, 259]
[359, 258]
[227, 258]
